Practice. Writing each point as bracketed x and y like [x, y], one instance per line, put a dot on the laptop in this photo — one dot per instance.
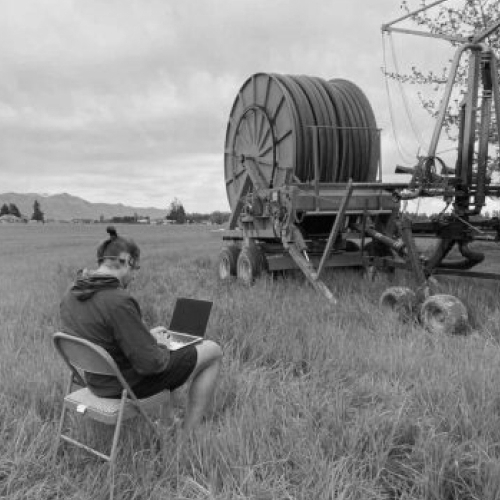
[188, 324]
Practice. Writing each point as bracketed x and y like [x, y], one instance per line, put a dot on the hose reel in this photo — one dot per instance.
[275, 119]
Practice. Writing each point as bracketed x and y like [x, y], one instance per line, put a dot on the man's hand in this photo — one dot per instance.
[160, 333]
[158, 329]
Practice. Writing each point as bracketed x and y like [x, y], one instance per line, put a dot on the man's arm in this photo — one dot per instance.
[135, 340]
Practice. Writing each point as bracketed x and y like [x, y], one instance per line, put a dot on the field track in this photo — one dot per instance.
[315, 401]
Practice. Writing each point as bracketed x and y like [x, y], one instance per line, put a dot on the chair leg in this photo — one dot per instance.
[114, 446]
[69, 385]
[111, 479]
[59, 432]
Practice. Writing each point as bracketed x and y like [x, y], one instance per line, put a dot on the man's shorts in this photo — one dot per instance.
[180, 366]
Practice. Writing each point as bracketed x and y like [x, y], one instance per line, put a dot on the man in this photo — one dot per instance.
[98, 308]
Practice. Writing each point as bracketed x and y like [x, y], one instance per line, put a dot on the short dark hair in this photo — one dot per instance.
[115, 245]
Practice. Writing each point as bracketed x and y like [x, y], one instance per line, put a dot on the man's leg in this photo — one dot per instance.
[204, 380]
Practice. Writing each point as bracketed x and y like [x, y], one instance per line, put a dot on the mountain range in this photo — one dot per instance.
[65, 206]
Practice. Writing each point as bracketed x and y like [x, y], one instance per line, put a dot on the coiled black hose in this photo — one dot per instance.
[348, 136]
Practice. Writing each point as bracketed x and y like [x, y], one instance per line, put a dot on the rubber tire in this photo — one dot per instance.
[444, 314]
[401, 301]
[227, 262]
[250, 264]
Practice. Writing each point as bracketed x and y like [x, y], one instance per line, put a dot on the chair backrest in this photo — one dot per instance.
[84, 355]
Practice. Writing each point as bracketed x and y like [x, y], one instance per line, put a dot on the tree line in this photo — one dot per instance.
[12, 209]
[178, 215]
[175, 213]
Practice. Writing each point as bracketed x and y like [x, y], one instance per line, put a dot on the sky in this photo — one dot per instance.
[127, 101]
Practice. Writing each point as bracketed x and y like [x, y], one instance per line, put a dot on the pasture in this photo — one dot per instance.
[315, 401]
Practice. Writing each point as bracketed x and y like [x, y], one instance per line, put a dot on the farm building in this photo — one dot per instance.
[10, 219]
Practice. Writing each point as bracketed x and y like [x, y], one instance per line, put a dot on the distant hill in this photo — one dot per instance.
[67, 207]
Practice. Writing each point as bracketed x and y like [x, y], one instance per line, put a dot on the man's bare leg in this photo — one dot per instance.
[204, 380]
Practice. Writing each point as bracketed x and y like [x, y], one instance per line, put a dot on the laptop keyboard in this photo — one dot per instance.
[174, 344]
[164, 338]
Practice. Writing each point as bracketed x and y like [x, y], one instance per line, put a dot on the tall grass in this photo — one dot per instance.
[314, 402]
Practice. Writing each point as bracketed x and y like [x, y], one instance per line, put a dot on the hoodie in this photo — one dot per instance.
[97, 308]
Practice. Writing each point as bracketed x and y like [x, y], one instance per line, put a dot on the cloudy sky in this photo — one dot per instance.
[128, 100]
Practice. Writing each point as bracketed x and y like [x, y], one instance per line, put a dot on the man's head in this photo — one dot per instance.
[120, 255]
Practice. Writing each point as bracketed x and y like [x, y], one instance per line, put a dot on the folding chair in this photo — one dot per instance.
[82, 355]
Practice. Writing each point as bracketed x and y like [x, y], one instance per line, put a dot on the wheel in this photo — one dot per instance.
[400, 300]
[228, 258]
[444, 314]
[250, 264]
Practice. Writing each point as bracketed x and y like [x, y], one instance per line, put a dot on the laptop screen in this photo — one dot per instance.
[191, 316]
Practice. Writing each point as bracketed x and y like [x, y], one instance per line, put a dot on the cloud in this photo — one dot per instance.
[128, 100]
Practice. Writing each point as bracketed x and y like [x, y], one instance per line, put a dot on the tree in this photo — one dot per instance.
[37, 212]
[176, 212]
[4, 210]
[219, 217]
[13, 210]
[451, 20]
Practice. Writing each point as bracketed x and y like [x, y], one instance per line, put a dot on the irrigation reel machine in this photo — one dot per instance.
[303, 180]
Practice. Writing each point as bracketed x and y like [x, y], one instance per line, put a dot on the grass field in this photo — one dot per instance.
[315, 401]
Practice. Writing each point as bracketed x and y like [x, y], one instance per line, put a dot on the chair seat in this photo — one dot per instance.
[106, 410]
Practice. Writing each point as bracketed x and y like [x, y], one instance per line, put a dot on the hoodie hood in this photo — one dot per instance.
[88, 283]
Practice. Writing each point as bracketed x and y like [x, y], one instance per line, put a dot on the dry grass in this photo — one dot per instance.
[314, 402]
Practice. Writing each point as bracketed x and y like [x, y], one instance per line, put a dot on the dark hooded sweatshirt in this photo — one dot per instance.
[97, 308]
